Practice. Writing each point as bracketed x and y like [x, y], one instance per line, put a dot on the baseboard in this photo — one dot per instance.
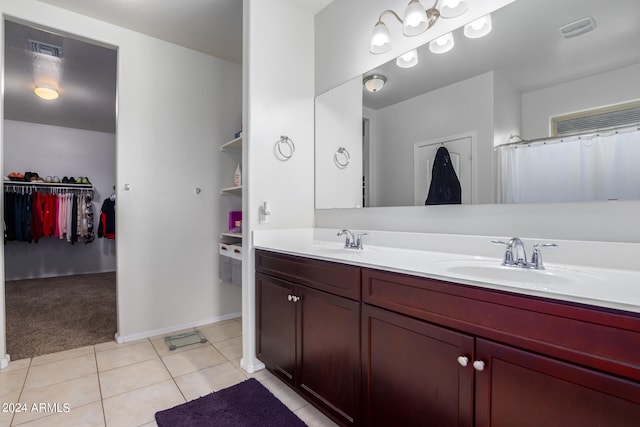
[251, 367]
[120, 339]
[4, 362]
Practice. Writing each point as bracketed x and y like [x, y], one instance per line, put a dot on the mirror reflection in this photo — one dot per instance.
[525, 80]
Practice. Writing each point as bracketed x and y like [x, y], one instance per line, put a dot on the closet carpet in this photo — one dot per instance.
[59, 313]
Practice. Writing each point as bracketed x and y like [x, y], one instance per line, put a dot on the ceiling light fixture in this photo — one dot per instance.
[416, 21]
[408, 60]
[374, 82]
[46, 92]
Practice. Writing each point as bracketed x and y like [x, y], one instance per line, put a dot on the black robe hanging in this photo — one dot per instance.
[445, 186]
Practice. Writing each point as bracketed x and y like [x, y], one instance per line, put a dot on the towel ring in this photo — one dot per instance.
[291, 148]
[342, 158]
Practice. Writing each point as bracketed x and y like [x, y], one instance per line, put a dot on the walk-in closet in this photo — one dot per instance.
[59, 172]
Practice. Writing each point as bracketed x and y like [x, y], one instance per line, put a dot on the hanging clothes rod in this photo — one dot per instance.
[614, 129]
[47, 185]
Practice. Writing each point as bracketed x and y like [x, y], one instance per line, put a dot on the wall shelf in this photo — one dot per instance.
[232, 190]
[231, 235]
[233, 145]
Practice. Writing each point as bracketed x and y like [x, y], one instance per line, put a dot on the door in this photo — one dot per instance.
[276, 326]
[424, 153]
[329, 366]
[412, 376]
[519, 388]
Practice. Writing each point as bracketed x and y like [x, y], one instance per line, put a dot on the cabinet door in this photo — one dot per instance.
[276, 325]
[519, 388]
[412, 376]
[329, 349]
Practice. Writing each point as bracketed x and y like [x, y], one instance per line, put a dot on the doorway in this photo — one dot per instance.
[424, 153]
[59, 168]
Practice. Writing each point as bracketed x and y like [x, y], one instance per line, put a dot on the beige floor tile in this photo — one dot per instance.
[313, 417]
[68, 354]
[7, 416]
[231, 348]
[153, 424]
[90, 415]
[17, 364]
[290, 398]
[262, 374]
[113, 345]
[202, 382]
[193, 360]
[60, 371]
[131, 377]
[11, 382]
[163, 349]
[138, 407]
[76, 392]
[126, 355]
[221, 331]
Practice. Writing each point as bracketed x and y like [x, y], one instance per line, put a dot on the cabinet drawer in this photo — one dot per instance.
[338, 279]
[599, 338]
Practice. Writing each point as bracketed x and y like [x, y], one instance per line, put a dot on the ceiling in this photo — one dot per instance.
[525, 47]
[86, 73]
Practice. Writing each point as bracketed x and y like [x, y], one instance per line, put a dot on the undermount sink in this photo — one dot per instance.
[551, 278]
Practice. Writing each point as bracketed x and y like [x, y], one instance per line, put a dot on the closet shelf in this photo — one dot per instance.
[233, 145]
[232, 235]
[63, 186]
[232, 190]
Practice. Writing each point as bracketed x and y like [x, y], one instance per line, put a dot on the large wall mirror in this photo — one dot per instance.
[480, 100]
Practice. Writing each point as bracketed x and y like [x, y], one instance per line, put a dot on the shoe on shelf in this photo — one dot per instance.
[65, 180]
[48, 179]
[20, 177]
[72, 180]
[55, 179]
[13, 176]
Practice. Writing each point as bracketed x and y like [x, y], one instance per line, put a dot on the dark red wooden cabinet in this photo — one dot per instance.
[378, 348]
[310, 337]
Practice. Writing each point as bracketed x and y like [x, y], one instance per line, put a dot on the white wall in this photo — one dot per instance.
[342, 33]
[507, 116]
[463, 107]
[279, 100]
[167, 144]
[599, 90]
[53, 150]
[339, 124]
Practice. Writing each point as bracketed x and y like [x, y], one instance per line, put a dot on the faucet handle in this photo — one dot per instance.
[358, 242]
[536, 256]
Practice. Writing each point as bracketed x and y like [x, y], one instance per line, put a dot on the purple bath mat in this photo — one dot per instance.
[246, 404]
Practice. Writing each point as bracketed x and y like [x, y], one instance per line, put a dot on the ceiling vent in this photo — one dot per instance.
[578, 28]
[45, 48]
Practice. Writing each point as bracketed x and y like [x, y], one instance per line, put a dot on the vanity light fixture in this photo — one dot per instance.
[442, 44]
[374, 82]
[46, 92]
[416, 20]
[478, 28]
[408, 60]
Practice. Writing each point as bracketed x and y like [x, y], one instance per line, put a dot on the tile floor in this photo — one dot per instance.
[126, 384]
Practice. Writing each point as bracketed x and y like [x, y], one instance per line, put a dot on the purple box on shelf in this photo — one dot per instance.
[235, 221]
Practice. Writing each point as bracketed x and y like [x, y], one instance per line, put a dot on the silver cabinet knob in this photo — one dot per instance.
[478, 365]
[463, 361]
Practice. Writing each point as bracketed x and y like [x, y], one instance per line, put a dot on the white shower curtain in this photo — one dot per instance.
[603, 166]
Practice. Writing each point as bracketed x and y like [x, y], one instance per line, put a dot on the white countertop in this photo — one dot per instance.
[603, 274]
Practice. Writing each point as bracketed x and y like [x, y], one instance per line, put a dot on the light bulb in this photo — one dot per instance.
[46, 92]
[380, 39]
[442, 44]
[408, 60]
[415, 19]
[478, 28]
[453, 8]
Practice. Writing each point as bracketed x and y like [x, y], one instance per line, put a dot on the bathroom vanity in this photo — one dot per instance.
[370, 346]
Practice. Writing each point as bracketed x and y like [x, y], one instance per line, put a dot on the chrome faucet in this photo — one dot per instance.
[516, 256]
[352, 241]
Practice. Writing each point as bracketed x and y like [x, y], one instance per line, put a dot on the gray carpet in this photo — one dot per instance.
[59, 313]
